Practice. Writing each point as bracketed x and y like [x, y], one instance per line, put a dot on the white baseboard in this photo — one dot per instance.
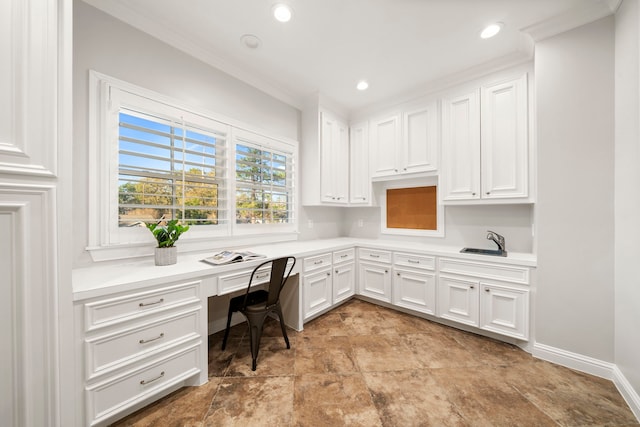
[591, 366]
[627, 391]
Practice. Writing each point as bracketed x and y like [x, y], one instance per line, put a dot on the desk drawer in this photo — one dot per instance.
[509, 273]
[110, 397]
[240, 280]
[317, 262]
[110, 350]
[344, 256]
[374, 255]
[414, 261]
[119, 309]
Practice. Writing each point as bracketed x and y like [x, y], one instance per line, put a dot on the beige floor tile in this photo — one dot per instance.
[375, 353]
[321, 354]
[273, 358]
[329, 324]
[333, 400]
[440, 351]
[261, 401]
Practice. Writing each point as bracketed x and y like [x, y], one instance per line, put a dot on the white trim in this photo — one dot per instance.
[576, 361]
[626, 390]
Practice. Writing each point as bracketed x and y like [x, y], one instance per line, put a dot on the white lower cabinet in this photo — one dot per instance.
[493, 297]
[374, 274]
[137, 345]
[328, 279]
[414, 282]
[458, 300]
[504, 310]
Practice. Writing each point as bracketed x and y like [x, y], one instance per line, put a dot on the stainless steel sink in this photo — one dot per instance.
[492, 252]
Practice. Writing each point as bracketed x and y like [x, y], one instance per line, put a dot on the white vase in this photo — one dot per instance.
[166, 256]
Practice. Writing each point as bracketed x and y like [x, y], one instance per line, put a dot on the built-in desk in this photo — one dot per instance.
[141, 330]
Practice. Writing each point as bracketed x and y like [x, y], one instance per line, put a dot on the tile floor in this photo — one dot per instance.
[365, 365]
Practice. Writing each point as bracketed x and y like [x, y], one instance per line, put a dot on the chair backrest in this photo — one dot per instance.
[280, 270]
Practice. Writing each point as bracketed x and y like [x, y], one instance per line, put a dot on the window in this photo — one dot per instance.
[264, 181]
[153, 159]
[169, 170]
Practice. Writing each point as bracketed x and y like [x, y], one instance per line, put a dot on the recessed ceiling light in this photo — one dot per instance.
[362, 85]
[250, 41]
[491, 30]
[282, 12]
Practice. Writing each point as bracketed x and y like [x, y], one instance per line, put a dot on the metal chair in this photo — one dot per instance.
[257, 305]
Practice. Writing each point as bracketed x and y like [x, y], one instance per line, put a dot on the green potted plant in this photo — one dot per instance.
[166, 235]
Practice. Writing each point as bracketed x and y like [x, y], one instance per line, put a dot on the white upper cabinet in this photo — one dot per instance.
[405, 143]
[324, 158]
[360, 182]
[504, 139]
[485, 143]
[461, 146]
[385, 140]
[334, 162]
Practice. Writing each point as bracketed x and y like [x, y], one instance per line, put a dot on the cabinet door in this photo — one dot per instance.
[344, 284]
[375, 281]
[458, 300]
[415, 290]
[505, 310]
[317, 292]
[420, 140]
[385, 139]
[334, 162]
[504, 149]
[360, 181]
[461, 147]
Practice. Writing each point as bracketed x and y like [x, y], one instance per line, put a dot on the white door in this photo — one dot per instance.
[360, 182]
[317, 292]
[415, 290]
[504, 149]
[461, 147]
[375, 281]
[344, 284]
[385, 140]
[340, 166]
[458, 300]
[420, 140]
[505, 310]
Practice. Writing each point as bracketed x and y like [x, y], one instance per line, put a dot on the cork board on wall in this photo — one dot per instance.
[414, 208]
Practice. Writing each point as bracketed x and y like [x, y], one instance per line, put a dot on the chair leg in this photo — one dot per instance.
[256, 322]
[282, 326]
[226, 331]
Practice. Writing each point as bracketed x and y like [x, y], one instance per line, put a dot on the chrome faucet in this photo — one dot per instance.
[498, 239]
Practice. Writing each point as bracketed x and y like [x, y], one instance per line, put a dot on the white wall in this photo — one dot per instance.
[574, 308]
[627, 196]
[465, 226]
[112, 47]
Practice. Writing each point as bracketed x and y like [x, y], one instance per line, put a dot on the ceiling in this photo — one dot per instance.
[399, 46]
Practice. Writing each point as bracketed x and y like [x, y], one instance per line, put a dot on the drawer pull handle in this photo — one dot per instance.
[152, 339]
[262, 276]
[413, 261]
[344, 256]
[318, 262]
[146, 304]
[471, 287]
[374, 256]
[145, 382]
[487, 290]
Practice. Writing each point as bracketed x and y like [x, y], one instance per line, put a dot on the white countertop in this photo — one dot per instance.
[98, 280]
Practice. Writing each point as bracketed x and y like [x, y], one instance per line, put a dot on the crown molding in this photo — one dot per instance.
[571, 19]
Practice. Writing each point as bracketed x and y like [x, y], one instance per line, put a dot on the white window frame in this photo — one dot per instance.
[107, 241]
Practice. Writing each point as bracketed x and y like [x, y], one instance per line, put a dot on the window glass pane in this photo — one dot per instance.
[165, 171]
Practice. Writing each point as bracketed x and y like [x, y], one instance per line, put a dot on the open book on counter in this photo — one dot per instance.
[227, 257]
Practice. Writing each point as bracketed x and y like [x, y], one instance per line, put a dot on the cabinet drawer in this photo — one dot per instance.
[108, 351]
[374, 255]
[414, 261]
[240, 280]
[110, 397]
[119, 309]
[509, 273]
[343, 256]
[317, 262]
